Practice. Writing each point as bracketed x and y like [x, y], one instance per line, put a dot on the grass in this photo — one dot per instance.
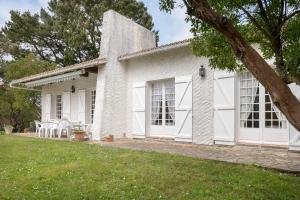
[44, 169]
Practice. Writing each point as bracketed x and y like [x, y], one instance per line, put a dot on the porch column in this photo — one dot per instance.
[99, 103]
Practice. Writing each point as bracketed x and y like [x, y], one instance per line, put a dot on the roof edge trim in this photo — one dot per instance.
[83, 65]
[163, 48]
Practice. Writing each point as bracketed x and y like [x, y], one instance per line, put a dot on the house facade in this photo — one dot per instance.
[137, 90]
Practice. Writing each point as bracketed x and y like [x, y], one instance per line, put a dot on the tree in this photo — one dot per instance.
[20, 107]
[70, 32]
[225, 30]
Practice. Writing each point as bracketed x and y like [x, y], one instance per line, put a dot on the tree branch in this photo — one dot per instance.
[264, 14]
[256, 23]
[39, 52]
[281, 11]
[296, 12]
[188, 7]
[263, 11]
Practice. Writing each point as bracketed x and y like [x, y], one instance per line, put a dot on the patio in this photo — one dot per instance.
[275, 158]
[269, 157]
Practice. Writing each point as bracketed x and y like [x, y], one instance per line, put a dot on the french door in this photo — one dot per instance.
[163, 108]
[260, 121]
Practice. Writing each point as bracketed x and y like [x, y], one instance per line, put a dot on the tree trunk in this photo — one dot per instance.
[280, 93]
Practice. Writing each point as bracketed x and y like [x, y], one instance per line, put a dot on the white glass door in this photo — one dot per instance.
[249, 109]
[260, 121]
[163, 109]
[275, 124]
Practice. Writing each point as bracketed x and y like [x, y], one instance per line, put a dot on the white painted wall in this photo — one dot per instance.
[120, 36]
[87, 83]
[178, 62]
[294, 135]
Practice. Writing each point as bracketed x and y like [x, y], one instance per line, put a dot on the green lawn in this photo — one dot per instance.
[44, 169]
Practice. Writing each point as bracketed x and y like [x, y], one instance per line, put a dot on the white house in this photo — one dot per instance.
[137, 90]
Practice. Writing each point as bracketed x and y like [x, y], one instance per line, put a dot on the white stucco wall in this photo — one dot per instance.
[86, 83]
[120, 35]
[178, 62]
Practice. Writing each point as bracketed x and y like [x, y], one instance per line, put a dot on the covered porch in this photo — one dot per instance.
[68, 97]
[73, 100]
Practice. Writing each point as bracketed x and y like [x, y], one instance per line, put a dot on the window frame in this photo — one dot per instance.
[164, 85]
[58, 106]
[93, 103]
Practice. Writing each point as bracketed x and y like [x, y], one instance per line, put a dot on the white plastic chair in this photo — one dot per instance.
[53, 129]
[44, 129]
[88, 130]
[38, 126]
[64, 126]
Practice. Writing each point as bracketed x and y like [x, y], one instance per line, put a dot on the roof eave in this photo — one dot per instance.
[84, 65]
[153, 51]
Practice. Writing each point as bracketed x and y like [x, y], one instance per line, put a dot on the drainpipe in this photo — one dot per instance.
[23, 88]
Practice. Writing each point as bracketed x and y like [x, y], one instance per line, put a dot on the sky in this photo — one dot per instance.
[171, 27]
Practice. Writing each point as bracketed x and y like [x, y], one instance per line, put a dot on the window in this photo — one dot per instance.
[58, 106]
[157, 102]
[249, 101]
[93, 100]
[170, 103]
[273, 117]
[163, 103]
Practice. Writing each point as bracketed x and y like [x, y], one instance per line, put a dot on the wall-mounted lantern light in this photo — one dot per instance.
[73, 89]
[202, 71]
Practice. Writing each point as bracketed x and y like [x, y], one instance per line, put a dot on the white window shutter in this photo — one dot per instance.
[294, 138]
[224, 107]
[138, 108]
[184, 108]
[47, 107]
[81, 106]
[66, 105]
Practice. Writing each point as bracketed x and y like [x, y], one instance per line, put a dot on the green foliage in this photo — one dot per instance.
[70, 32]
[273, 25]
[20, 107]
[26, 66]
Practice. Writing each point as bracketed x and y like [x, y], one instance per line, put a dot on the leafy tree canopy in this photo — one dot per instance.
[20, 107]
[26, 66]
[69, 32]
[274, 25]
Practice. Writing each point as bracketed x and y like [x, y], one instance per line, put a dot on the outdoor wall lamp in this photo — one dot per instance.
[202, 71]
[73, 89]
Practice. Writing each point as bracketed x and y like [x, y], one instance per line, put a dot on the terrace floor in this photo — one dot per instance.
[269, 157]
